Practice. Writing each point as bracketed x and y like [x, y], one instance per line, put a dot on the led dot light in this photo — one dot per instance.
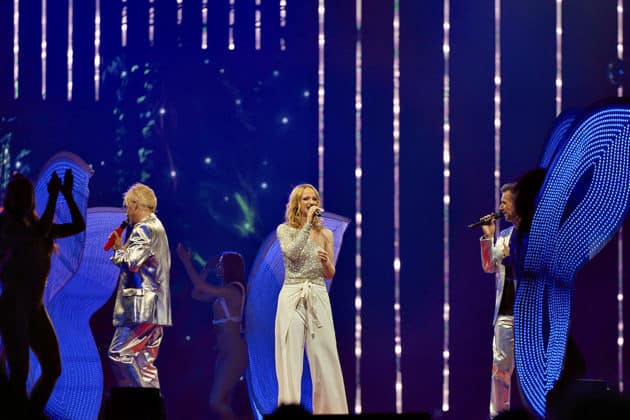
[321, 91]
[16, 49]
[151, 22]
[44, 48]
[358, 218]
[231, 23]
[180, 12]
[123, 23]
[497, 103]
[446, 200]
[97, 50]
[620, 235]
[283, 24]
[70, 50]
[558, 56]
[204, 24]
[396, 147]
[581, 205]
[258, 25]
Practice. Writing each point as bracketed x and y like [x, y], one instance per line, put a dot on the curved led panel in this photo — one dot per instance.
[65, 262]
[558, 135]
[581, 205]
[79, 390]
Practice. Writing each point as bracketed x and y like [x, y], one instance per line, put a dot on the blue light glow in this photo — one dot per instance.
[581, 205]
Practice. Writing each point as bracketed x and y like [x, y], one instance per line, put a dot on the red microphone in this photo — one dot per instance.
[112, 238]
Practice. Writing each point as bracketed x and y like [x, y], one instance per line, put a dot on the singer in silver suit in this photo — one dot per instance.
[143, 304]
[492, 256]
[304, 315]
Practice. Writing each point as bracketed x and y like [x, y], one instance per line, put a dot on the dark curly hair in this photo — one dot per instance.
[525, 192]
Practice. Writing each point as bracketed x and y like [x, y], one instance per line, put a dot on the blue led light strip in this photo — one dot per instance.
[581, 205]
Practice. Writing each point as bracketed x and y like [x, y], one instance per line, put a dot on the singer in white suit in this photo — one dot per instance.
[492, 255]
[304, 315]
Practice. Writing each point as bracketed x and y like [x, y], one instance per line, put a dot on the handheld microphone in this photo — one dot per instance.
[112, 238]
[318, 213]
[486, 220]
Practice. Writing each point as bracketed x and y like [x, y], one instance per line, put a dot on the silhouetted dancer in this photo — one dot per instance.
[26, 245]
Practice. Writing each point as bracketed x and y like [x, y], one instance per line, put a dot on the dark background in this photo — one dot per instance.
[240, 129]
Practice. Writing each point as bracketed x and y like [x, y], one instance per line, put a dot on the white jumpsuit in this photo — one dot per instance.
[304, 317]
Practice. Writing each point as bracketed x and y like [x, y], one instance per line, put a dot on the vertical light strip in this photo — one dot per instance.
[151, 22]
[70, 51]
[204, 24]
[620, 338]
[321, 41]
[16, 49]
[123, 24]
[44, 49]
[558, 56]
[231, 21]
[97, 50]
[180, 12]
[446, 200]
[257, 24]
[283, 24]
[358, 219]
[497, 103]
[396, 147]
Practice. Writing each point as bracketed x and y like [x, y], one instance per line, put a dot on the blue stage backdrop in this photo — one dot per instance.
[223, 135]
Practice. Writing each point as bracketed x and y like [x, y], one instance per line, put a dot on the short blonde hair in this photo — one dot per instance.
[142, 195]
[292, 214]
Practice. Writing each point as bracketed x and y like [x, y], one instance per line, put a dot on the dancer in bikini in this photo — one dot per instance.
[229, 299]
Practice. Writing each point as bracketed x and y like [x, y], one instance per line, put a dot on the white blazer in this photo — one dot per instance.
[491, 257]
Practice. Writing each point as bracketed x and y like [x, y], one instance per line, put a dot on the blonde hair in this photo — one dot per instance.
[292, 215]
[142, 195]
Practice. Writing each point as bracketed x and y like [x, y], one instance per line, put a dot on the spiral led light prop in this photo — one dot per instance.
[581, 205]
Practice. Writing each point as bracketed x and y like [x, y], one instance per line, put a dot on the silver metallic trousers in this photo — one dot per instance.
[133, 351]
[502, 364]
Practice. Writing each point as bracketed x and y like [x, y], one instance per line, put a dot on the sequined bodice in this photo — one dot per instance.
[301, 263]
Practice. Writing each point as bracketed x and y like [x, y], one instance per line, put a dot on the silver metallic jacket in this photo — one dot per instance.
[143, 293]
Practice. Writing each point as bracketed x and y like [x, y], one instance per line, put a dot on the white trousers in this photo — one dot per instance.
[304, 317]
[502, 364]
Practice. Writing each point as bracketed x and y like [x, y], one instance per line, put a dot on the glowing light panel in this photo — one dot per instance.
[582, 204]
